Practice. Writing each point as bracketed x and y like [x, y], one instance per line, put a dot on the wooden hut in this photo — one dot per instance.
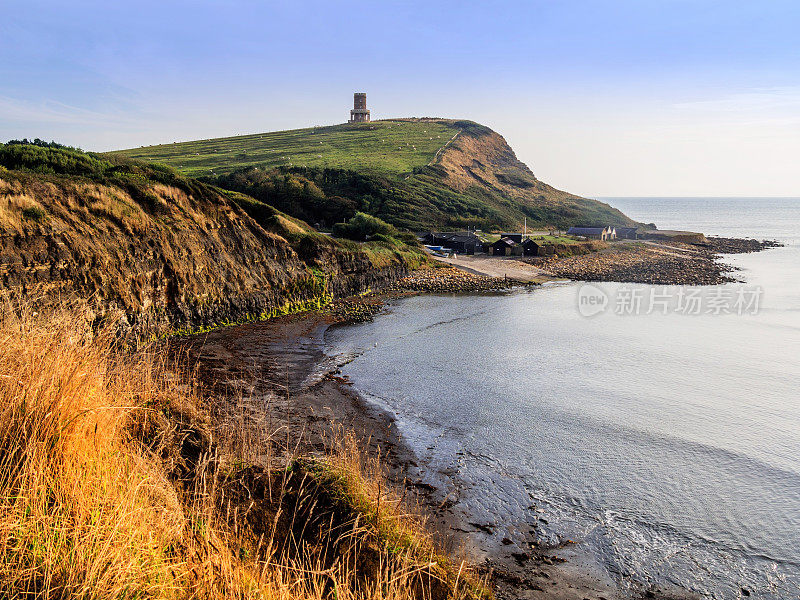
[461, 242]
[532, 248]
[626, 233]
[514, 237]
[503, 247]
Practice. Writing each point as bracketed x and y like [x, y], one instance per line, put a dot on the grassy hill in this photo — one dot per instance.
[412, 173]
[387, 147]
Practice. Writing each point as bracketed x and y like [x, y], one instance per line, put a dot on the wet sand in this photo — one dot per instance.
[278, 379]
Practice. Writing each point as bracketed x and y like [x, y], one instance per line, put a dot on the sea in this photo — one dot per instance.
[656, 426]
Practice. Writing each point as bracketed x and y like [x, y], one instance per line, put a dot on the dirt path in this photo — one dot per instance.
[440, 150]
[677, 251]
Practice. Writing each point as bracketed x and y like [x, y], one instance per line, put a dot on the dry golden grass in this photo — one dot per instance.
[92, 504]
[12, 207]
[82, 510]
[389, 519]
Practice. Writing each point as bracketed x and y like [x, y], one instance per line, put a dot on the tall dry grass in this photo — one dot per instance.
[81, 510]
[92, 504]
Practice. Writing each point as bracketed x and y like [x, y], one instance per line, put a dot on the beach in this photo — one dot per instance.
[625, 261]
[280, 383]
[279, 375]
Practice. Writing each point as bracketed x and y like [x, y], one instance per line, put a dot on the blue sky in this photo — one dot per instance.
[601, 98]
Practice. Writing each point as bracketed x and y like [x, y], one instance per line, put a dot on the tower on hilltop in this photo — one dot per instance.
[360, 112]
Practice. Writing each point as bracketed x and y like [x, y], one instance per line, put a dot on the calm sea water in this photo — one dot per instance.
[668, 444]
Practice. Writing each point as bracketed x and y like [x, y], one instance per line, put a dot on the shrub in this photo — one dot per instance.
[362, 227]
[34, 213]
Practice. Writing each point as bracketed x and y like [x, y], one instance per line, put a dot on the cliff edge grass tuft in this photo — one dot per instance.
[116, 482]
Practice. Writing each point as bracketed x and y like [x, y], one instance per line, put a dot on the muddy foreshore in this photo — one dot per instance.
[276, 375]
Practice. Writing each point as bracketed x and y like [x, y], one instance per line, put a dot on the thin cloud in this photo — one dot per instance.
[758, 100]
[16, 111]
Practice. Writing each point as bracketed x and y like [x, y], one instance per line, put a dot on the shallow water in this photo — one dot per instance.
[668, 443]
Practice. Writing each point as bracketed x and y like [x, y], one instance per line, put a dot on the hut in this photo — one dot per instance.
[627, 233]
[593, 233]
[503, 246]
[515, 237]
[537, 248]
[464, 242]
[531, 248]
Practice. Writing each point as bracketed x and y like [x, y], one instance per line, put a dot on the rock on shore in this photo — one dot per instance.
[723, 245]
[446, 279]
[671, 263]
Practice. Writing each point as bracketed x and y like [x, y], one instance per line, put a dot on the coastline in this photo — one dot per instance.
[628, 261]
[281, 365]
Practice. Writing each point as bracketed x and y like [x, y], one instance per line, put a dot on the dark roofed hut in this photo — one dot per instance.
[461, 242]
[503, 246]
[466, 244]
[592, 233]
[514, 237]
[627, 233]
[537, 248]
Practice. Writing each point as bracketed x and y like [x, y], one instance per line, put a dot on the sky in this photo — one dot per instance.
[601, 98]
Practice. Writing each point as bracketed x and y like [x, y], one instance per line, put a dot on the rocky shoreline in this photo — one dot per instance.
[660, 263]
[723, 245]
[449, 279]
[358, 309]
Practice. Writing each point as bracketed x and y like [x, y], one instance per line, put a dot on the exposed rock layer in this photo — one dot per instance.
[184, 258]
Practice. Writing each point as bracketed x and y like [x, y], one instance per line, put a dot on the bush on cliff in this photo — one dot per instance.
[50, 158]
[362, 227]
[290, 192]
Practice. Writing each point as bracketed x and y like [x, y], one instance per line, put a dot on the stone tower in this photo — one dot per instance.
[360, 112]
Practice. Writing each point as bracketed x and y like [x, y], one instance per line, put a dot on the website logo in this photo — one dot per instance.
[591, 300]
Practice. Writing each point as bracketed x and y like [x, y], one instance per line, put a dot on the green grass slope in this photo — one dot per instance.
[412, 173]
[387, 147]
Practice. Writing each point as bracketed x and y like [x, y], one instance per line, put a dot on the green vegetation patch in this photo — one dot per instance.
[327, 196]
[52, 160]
[392, 147]
[387, 169]
[363, 227]
[555, 239]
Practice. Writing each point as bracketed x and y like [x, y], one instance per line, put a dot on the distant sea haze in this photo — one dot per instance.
[666, 443]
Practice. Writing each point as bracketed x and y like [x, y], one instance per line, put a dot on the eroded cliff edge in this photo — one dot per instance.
[160, 251]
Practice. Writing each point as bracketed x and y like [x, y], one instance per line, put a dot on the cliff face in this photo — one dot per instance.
[479, 161]
[157, 255]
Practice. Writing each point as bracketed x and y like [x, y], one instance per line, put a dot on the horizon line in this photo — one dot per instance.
[747, 197]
